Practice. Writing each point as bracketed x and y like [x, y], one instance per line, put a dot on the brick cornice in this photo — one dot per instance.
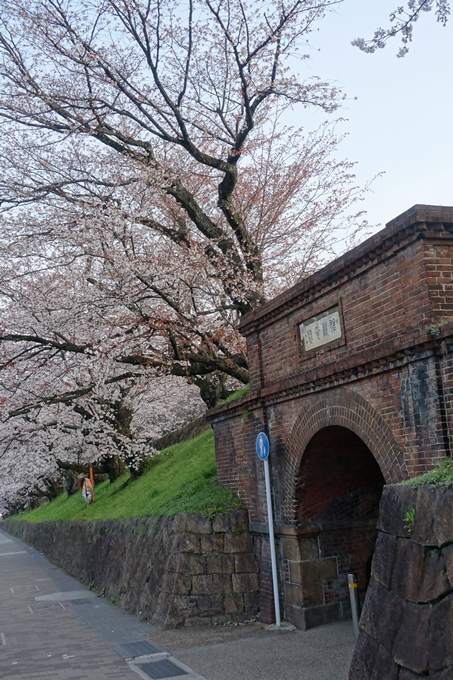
[420, 221]
[377, 359]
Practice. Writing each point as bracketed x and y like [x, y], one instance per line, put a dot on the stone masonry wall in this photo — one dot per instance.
[407, 618]
[184, 571]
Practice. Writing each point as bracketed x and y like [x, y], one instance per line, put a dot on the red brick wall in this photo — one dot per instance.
[389, 381]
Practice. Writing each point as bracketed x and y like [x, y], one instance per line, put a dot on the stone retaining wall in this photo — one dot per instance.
[187, 570]
[407, 619]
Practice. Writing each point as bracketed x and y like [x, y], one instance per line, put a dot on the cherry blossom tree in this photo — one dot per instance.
[152, 196]
[402, 22]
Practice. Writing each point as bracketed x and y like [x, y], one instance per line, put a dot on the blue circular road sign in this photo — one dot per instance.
[262, 446]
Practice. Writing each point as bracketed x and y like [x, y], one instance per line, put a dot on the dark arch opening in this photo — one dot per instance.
[338, 490]
[339, 478]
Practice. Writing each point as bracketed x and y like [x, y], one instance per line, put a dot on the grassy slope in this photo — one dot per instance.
[440, 476]
[181, 478]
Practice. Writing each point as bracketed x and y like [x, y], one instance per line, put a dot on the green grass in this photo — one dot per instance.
[440, 476]
[237, 395]
[181, 478]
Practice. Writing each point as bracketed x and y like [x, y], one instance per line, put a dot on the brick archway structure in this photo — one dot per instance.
[365, 344]
[344, 408]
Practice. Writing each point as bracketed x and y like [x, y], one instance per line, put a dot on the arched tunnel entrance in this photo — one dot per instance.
[338, 489]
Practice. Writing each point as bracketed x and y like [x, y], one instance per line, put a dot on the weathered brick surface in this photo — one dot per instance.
[374, 407]
[174, 571]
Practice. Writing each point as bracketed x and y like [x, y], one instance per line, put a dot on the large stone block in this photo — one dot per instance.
[289, 547]
[197, 621]
[183, 585]
[384, 666]
[435, 582]
[297, 548]
[245, 563]
[251, 602]
[443, 512]
[221, 583]
[202, 584]
[234, 603]
[238, 543]
[210, 605]
[184, 606]
[381, 614]
[423, 532]
[221, 523]
[167, 584]
[383, 557]
[211, 543]
[408, 569]
[190, 543]
[313, 570]
[220, 564]
[245, 583]
[239, 521]
[195, 524]
[441, 636]
[320, 616]
[446, 674]
[396, 501]
[448, 554]
[296, 616]
[191, 564]
[293, 594]
[313, 594]
[408, 675]
[411, 644]
[364, 656]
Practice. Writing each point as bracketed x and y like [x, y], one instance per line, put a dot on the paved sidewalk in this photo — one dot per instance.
[53, 628]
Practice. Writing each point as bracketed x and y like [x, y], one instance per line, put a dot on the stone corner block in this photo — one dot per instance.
[396, 501]
[443, 512]
[423, 532]
[410, 649]
[239, 520]
[383, 558]
[365, 652]
[381, 614]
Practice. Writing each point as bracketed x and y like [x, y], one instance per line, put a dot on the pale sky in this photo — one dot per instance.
[401, 122]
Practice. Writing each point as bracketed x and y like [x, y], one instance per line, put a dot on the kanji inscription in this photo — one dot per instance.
[321, 329]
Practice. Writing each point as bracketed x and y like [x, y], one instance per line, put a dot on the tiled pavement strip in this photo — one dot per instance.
[43, 638]
[56, 629]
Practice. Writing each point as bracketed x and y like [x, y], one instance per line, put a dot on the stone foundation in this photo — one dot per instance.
[315, 564]
[184, 571]
[407, 619]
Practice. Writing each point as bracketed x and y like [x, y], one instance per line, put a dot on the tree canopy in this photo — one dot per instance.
[151, 195]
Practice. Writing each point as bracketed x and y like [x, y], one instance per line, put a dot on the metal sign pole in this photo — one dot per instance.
[262, 450]
[272, 542]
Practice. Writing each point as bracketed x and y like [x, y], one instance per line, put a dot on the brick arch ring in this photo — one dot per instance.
[349, 409]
